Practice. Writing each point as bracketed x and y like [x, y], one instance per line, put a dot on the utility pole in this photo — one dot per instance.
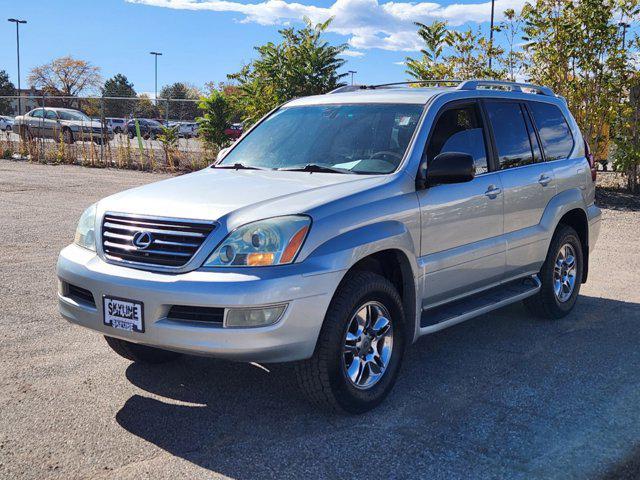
[493, 7]
[18, 22]
[352, 72]
[624, 26]
[156, 54]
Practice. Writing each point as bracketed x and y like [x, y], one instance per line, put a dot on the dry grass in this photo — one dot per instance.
[123, 153]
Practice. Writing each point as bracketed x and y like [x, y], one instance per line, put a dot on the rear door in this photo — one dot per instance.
[462, 249]
[528, 182]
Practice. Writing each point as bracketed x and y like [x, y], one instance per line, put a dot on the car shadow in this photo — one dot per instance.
[504, 395]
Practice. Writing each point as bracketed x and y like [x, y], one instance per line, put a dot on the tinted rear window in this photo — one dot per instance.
[510, 133]
[555, 134]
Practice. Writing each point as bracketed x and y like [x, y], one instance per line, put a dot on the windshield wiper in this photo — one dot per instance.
[240, 166]
[312, 167]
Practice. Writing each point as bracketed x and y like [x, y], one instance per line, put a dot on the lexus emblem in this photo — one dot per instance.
[142, 240]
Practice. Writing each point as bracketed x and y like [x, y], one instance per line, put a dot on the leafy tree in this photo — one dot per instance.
[452, 54]
[6, 89]
[187, 110]
[430, 67]
[575, 48]
[66, 76]
[145, 108]
[118, 86]
[216, 112]
[513, 58]
[303, 63]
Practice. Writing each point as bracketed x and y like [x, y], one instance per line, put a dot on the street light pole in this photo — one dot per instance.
[156, 54]
[352, 72]
[18, 22]
[493, 6]
[624, 26]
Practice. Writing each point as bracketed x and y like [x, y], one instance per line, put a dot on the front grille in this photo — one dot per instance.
[80, 295]
[167, 242]
[212, 315]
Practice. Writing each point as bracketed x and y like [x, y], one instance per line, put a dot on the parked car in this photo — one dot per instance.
[61, 123]
[187, 129]
[118, 125]
[148, 128]
[6, 123]
[342, 228]
[234, 131]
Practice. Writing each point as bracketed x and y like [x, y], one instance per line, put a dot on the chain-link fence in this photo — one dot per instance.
[138, 132]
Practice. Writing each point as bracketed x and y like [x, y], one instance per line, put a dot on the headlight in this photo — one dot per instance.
[86, 231]
[274, 241]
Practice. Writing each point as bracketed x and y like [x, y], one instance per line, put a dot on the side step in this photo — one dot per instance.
[443, 316]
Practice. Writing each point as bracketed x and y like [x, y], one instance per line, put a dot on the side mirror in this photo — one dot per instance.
[222, 153]
[448, 167]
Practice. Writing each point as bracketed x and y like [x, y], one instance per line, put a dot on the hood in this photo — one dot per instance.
[241, 195]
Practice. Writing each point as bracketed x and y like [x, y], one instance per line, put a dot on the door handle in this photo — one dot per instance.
[544, 180]
[493, 191]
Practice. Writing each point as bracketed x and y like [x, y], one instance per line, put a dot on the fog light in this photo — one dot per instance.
[253, 317]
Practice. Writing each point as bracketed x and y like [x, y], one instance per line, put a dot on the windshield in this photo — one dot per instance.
[361, 138]
[78, 116]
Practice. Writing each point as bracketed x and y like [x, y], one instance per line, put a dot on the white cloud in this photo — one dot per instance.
[366, 23]
[352, 53]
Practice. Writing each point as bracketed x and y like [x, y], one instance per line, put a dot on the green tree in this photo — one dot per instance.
[118, 86]
[453, 54]
[303, 63]
[145, 108]
[430, 67]
[216, 112]
[6, 89]
[179, 110]
[575, 48]
[513, 59]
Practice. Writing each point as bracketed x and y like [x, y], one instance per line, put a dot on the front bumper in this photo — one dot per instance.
[307, 295]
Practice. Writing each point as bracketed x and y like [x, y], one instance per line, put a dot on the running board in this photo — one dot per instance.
[443, 316]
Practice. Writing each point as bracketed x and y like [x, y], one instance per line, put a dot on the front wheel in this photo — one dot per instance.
[561, 276]
[140, 353]
[360, 346]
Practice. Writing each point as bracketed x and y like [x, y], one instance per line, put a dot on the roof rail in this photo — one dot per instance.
[500, 84]
[347, 88]
[437, 82]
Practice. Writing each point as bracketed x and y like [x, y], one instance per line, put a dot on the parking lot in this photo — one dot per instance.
[501, 396]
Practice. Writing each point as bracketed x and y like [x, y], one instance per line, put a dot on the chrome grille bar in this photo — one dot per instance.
[172, 242]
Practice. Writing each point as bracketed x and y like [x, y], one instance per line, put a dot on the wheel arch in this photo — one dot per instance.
[577, 219]
[386, 248]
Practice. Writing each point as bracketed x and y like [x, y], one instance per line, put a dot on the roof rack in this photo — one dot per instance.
[460, 85]
[502, 85]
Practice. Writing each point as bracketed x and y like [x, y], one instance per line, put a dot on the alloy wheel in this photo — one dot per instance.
[367, 345]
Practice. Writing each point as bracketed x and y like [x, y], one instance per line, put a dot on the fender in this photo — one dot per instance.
[342, 252]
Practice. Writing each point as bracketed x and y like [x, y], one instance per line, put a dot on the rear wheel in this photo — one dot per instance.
[140, 353]
[67, 136]
[359, 349]
[561, 276]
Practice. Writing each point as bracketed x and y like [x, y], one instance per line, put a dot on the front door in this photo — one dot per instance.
[462, 247]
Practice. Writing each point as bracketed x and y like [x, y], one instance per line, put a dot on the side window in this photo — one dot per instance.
[38, 113]
[533, 139]
[555, 134]
[459, 129]
[510, 134]
[51, 115]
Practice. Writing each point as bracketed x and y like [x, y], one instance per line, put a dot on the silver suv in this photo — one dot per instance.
[341, 228]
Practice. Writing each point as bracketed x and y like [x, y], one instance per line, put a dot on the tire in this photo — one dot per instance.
[323, 378]
[131, 135]
[117, 130]
[140, 353]
[8, 129]
[67, 136]
[547, 303]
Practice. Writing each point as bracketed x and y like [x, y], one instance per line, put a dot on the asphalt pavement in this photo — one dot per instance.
[501, 396]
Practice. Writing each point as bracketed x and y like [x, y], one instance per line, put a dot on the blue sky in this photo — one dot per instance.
[203, 40]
